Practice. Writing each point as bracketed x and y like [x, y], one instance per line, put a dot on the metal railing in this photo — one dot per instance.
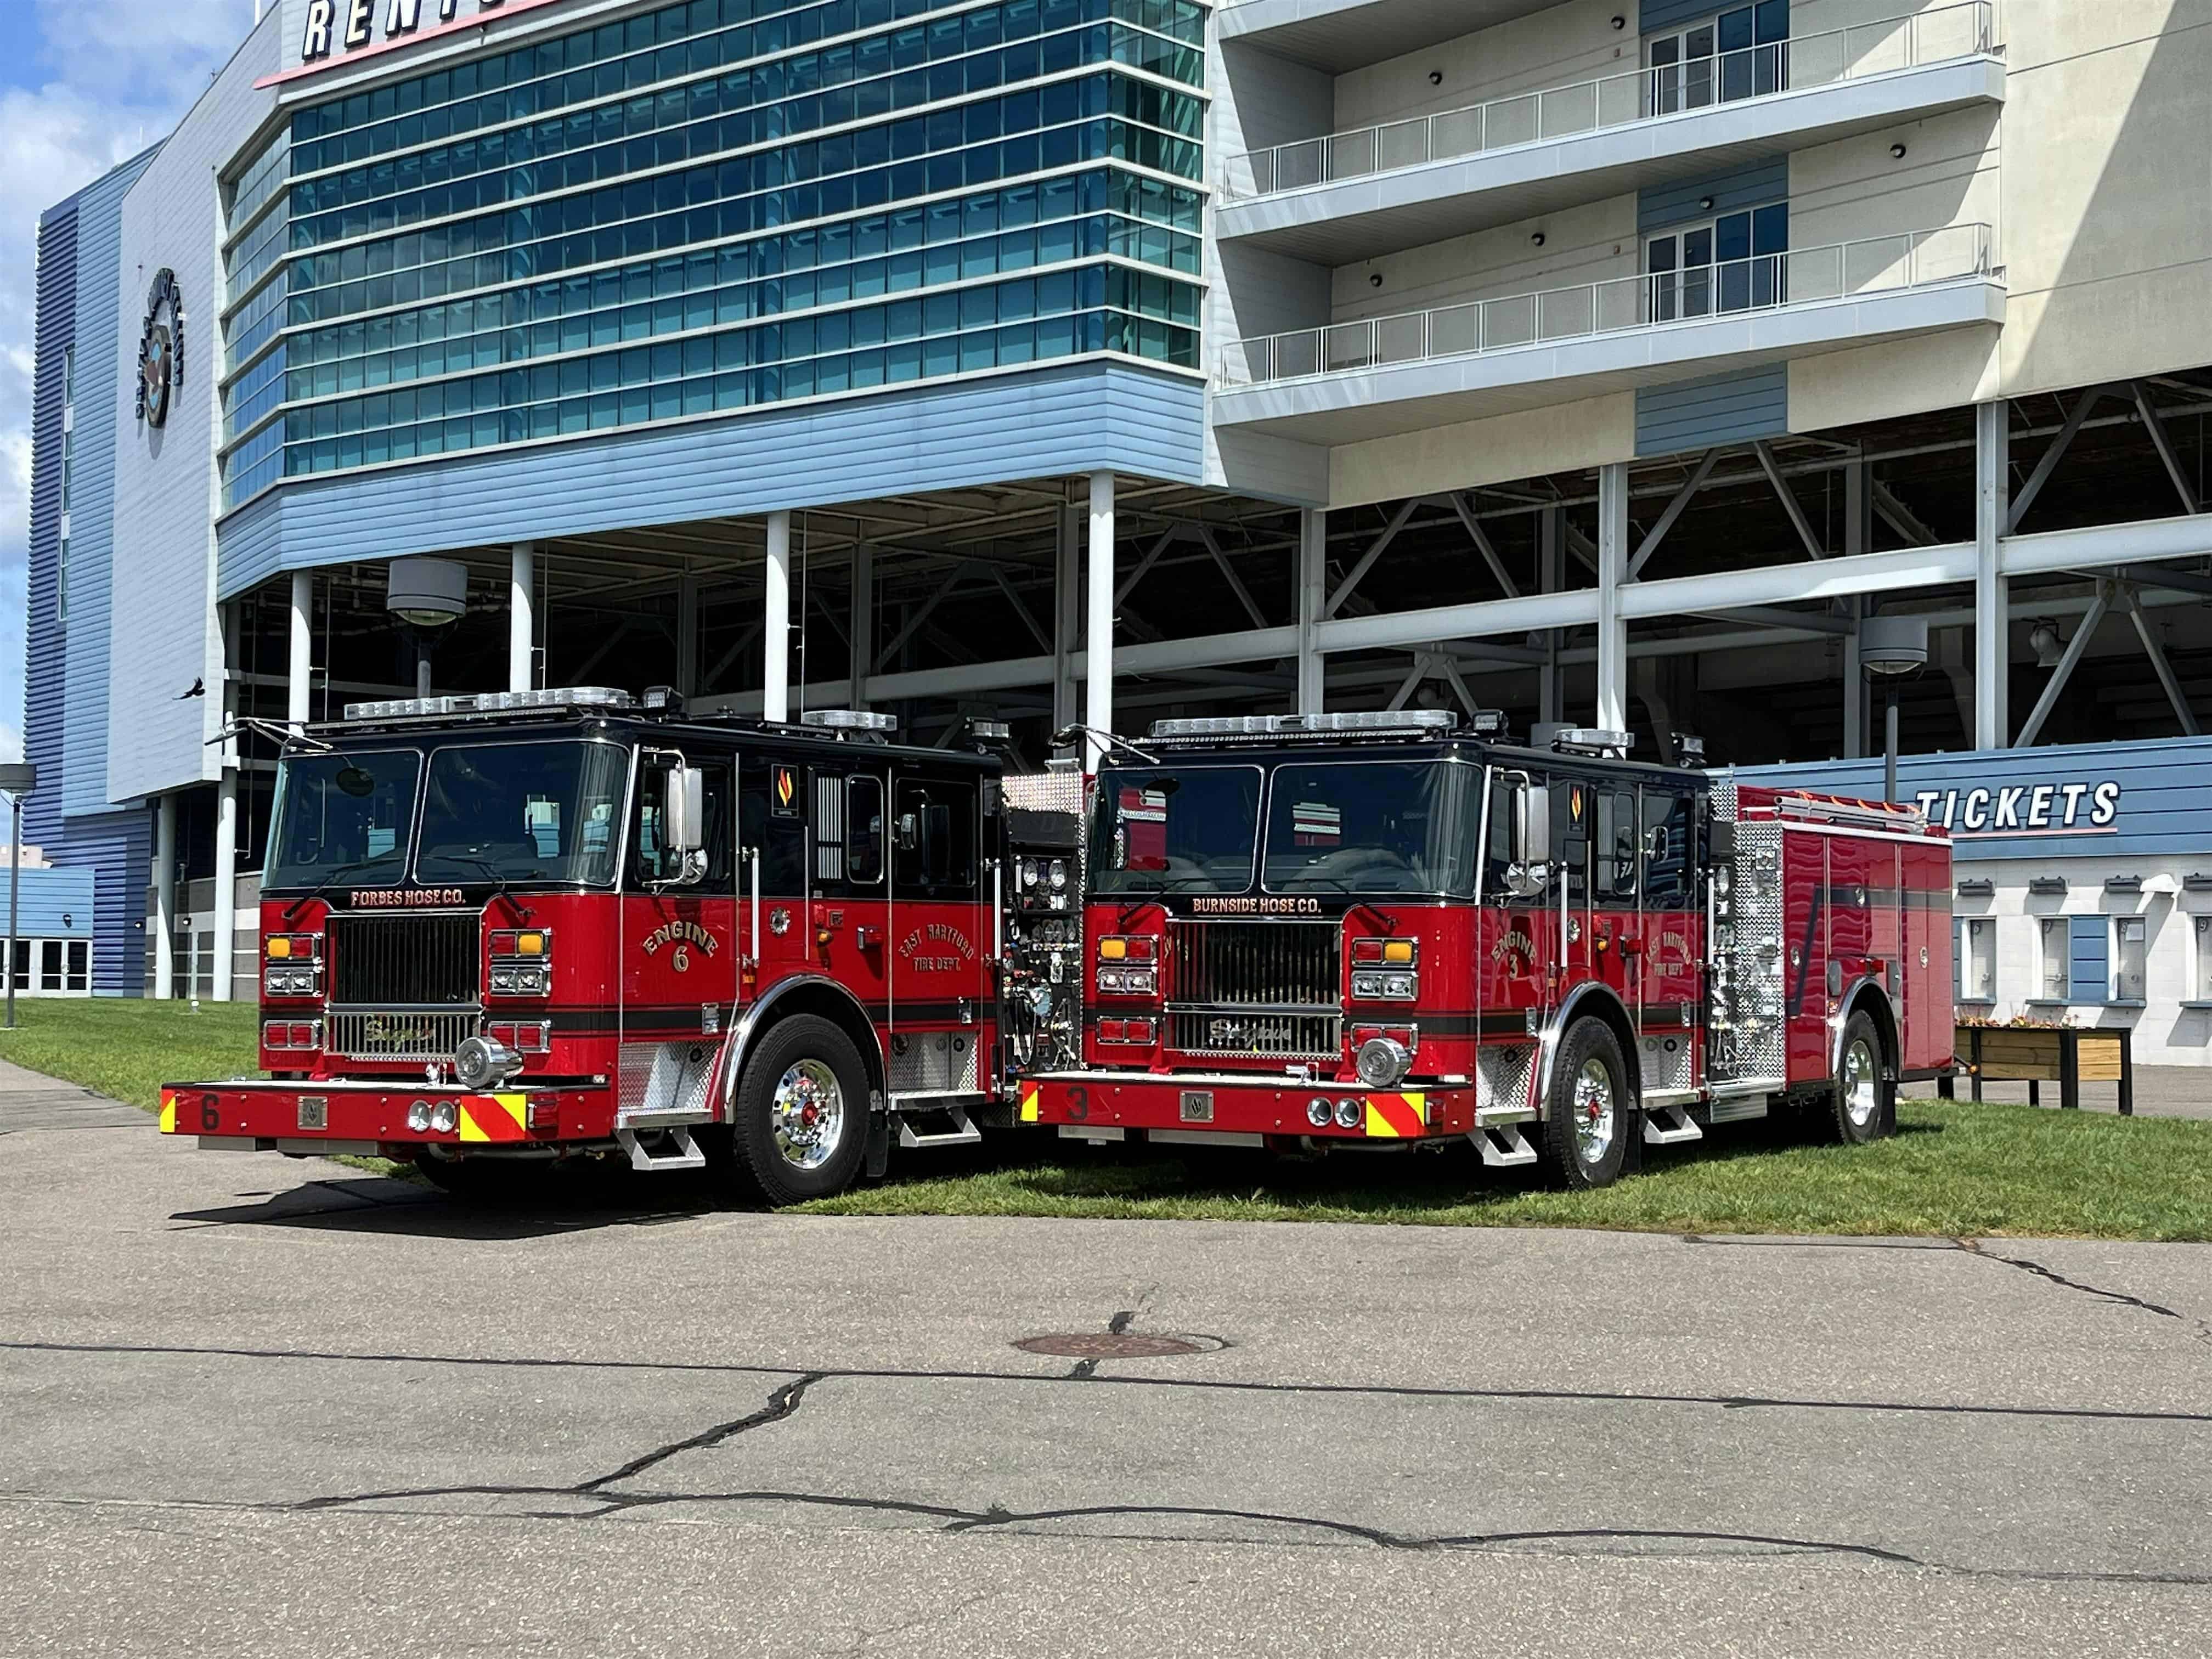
[1870, 48]
[1661, 299]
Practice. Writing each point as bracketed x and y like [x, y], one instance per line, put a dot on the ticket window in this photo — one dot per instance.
[2131, 953]
[1977, 959]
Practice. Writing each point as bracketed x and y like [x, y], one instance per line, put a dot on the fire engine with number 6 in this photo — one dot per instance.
[505, 931]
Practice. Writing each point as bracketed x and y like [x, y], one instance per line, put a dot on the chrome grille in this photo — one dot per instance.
[403, 962]
[401, 1033]
[1255, 989]
[1229, 1031]
[1255, 964]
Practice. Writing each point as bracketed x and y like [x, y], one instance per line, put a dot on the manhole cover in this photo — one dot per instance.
[1109, 1345]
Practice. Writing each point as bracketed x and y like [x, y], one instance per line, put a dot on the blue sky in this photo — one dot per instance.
[83, 84]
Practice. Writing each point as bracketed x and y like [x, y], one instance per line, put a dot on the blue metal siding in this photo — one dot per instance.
[2089, 958]
[45, 647]
[2146, 800]
[53, 903]
[1050, 423]
[92, 488]
[1729, 408]
[1752, 184]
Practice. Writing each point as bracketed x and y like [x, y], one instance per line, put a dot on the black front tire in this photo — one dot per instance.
[1862, 1100]
[1590, 1112]
[800, 1062]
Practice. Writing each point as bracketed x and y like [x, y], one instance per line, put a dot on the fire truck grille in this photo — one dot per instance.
[1229, 964]
[1229, 1031]
[401, 1034]
[403, 962]
[1256, 988]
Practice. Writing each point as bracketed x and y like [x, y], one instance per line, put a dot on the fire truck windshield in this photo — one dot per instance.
[342, 811]
[522, 811]
[1180, 830]
[503, 812]
[1372, 827]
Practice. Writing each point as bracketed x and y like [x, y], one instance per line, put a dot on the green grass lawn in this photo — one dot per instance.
[127, 1048]
[1954, 1169]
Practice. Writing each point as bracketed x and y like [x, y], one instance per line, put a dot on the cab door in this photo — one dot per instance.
[772, 829]
[939, 950]
[680, 947]
[1574, 803]
[850, 906]
[1672, 972]
[1616, 934]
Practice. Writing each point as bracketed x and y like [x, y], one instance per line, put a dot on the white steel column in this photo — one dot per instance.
[1067, 615]
[521, 616]
[226, 818]
[226, 882]
[1858, 538]
[298, 685]
[775, 629]
[1612, 572]
[1313, 595]
[862, 623]
[165, 897]
[1550, 571]
[1099, 651]
[1992, 605]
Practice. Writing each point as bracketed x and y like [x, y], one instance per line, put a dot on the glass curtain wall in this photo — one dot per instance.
[714, 206]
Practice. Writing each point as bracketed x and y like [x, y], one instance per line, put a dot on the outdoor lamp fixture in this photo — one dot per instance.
[427, 596]
[2044, 638]
[17, 780]
[1891, 649]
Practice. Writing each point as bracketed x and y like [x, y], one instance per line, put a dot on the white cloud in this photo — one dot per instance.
[109, 78]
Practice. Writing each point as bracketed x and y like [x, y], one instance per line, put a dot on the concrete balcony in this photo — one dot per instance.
[1358, 195]
[1355, 380]
[1342, 35]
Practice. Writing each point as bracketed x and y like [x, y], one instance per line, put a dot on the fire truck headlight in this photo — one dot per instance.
[418, 1117]
[1384, 1062]
[1350, 1114]
[444, 1115]
[1058, 874]
[1318, 1111]
[1368, 987]
[1029, 872]
[1398, 987]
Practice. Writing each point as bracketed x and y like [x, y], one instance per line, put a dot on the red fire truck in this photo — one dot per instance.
[499, 932]
[1383, 929]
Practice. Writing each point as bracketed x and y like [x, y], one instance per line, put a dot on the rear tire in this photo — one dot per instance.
[1863, 1104]
[801, 1126]
[1591, 1111]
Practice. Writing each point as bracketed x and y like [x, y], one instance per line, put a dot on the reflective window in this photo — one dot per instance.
[522, 812]
[341, 816]
[1373, 828]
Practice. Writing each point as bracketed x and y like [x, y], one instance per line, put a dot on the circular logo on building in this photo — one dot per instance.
[160, 348]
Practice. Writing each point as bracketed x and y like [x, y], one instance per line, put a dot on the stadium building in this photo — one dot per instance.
[1609, 363]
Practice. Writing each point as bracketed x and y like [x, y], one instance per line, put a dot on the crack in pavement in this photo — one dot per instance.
[1972, 1247]
[781, 1404]
[1366, 1390]
[996, 1519]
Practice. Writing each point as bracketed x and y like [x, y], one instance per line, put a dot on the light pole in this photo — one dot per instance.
[1890, 649]
[17, 780]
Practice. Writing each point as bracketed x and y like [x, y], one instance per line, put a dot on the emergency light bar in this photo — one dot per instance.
[1591, 740]
[1373, 722]
[492, 702]
[848, 720]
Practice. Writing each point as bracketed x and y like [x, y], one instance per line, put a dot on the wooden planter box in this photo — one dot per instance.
[2039, 1055]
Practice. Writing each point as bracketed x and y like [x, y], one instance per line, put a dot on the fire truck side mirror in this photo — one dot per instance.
[685, 831]
[1531, 825]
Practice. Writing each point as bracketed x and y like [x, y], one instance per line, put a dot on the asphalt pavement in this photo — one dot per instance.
[254, 1406]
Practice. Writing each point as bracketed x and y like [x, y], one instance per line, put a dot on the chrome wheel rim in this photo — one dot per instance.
[808, 1115]
[1594, 1112]
[1862, 1084]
